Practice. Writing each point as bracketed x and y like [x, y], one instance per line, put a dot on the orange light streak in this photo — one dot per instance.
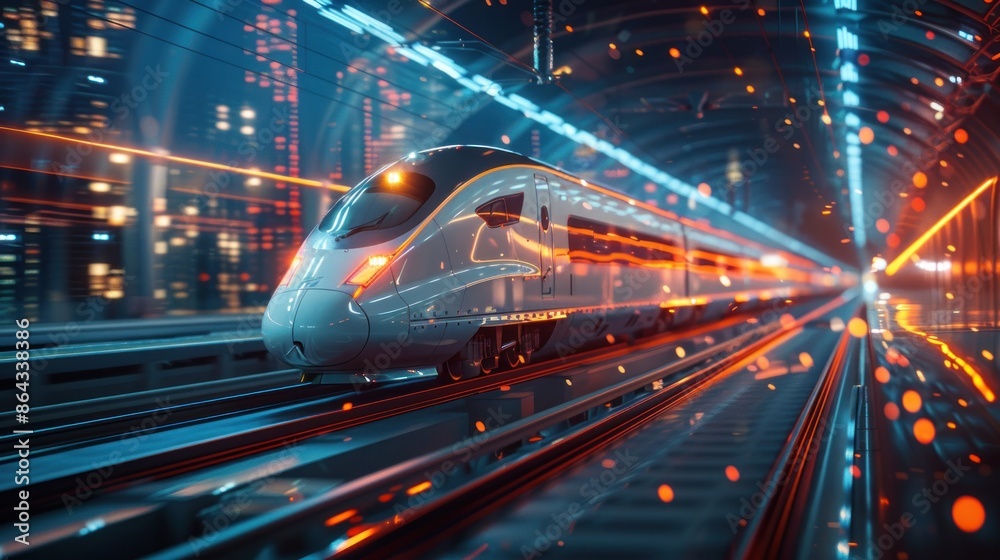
[340, 517]
[189, 161]
[957, 361]
[899, 261]
[414, 490]
[355, 540]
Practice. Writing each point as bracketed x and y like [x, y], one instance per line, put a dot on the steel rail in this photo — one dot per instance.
[201, 454]
[765, 534]
[478, 496]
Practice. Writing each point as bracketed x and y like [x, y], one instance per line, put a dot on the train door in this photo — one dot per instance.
[545, 250]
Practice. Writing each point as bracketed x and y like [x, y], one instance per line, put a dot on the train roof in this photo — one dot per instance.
[463, 162]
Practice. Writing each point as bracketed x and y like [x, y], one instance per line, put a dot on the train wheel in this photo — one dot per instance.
[457, 369]
[512, 356]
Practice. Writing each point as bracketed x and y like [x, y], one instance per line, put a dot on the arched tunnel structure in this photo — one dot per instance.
[500, 278]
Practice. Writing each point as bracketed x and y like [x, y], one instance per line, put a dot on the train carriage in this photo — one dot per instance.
[473, 258]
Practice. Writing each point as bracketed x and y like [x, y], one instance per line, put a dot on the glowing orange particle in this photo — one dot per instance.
[918, 204]
[340, 517]
[787, 320]
[919, 179]
[968, 514]
[923, 430]
[961, 136]
[666, 493]
[893, 150]
[882, 116]
[912, 401]
[892, 240]
[732, 473]
[480, 426]
[974, 458]
[805, 359]
[347, 406]
[418, 488]
[858, 327]
[866, 135]
[855, 471]
[891, 411]
[882, 225]
[674, 52]
[881, 374]
[892, 356]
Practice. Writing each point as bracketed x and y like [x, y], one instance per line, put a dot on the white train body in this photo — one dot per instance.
[473, 258]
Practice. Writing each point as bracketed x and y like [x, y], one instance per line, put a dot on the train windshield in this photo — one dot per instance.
[385, 201]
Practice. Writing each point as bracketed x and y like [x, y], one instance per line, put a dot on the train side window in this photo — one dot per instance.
[503, 211]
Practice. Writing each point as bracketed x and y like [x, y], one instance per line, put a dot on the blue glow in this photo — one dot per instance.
[432, 54]
[522, 102]
[851, 99]
[16, 62]
[846, 39]
[8, 237]
[101, 237]
[412, 55]
[96, 79]
[341, 19]
[849, 73]
[450, 69]
[359, 22]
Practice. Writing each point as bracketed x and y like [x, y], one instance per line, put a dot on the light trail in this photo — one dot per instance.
[189, 161]
[899, 261]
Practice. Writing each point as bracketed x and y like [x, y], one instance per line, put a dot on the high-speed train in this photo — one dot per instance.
[472, 258]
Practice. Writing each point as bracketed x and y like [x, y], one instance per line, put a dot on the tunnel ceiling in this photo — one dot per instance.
[707, 92]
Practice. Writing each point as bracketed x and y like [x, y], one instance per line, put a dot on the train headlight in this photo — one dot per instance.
[364, 274]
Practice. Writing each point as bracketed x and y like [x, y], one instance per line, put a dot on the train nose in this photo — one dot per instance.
[314, 327]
